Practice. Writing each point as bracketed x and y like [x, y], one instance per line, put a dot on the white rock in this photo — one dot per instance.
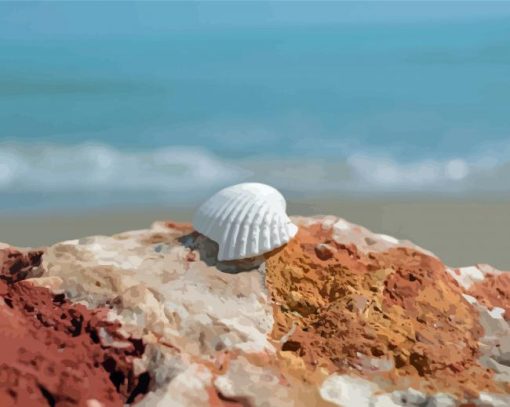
[388, 238]
[344, 390]
[467, 276]
[469, 298]
[409, 397]
[497, 313]
[384, 400]
[259, 385]
[176, 295]
[441, 400]
[494, 400]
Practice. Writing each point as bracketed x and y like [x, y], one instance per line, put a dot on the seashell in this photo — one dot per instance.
[246, 220]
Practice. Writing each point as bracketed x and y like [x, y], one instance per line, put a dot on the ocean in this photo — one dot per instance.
[373, 109]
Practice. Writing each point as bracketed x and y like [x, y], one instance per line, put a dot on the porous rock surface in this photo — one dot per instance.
[340, 316]
[54, 352]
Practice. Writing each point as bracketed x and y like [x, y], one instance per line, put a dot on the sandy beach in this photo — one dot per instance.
[460, 232]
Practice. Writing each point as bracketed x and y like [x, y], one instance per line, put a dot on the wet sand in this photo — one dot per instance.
[460, 232]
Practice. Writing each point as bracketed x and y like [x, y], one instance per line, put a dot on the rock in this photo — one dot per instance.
[52, 352]
[409, 397]
[324, 251]
[441, 400]
[344, 390]
[340, 316]
[16, 265]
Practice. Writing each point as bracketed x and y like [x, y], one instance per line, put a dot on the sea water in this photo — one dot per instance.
[339, 109]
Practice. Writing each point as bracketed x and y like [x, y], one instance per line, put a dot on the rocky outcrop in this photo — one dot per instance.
[395, 317]
[339, 316]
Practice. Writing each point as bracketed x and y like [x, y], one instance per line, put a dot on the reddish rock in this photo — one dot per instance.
[51, 351]
[324, 251]
[15, 265]
[339, 316]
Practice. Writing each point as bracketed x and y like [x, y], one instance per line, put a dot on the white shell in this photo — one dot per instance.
[246, 220]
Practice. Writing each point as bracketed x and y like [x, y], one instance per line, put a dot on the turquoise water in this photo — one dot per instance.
[373, 108]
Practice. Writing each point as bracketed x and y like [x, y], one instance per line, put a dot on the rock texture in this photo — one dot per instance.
[53, 352]
[339, 316]
[395, 317]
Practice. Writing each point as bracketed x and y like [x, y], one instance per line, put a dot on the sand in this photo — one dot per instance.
[461, 233]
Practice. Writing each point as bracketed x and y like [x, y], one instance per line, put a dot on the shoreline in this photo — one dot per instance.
[459, 232]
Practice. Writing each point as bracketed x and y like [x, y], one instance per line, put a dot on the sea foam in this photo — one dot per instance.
[99, 167]
[94, 174]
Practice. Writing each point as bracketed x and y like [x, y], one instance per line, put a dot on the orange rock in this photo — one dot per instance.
[395, 314]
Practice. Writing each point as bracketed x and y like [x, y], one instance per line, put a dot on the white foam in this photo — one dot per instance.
[98, 167]
[181, 171]
[387, 172]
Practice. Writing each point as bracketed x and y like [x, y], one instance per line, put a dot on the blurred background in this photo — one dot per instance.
[394, 115]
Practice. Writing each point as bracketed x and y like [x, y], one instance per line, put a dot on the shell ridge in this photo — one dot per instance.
[205, 217]
[224, 231]
[275, 235]
[237, 221]
[264, 230]
[242, 236]
[226, 206]
[282, 230]
[232, 227]
[224, 225]
[254, 232]
[230, 208]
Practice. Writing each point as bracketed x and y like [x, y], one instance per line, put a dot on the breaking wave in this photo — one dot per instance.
[98, 167]
[91, 171]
